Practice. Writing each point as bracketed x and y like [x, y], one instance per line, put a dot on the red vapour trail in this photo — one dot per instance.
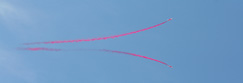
[94, 39]
[104, 50]
[136, 55]
[39, 48]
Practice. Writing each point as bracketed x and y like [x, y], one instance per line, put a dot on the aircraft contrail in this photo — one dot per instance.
[104, 50]
[94, 39]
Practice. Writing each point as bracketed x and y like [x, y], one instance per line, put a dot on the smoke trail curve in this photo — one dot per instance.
[100, 38]
[136, 55]
[104, 50]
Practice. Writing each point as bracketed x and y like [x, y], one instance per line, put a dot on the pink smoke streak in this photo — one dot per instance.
[104, 50]
[136, 55]
[94, 39]
[39, 48]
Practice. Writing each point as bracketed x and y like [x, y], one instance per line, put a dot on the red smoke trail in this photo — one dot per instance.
[136, 55]
[104, 50]
[38, 49]
[101, 38]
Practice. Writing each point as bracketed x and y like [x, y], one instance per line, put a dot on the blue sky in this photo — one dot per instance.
[203, 42]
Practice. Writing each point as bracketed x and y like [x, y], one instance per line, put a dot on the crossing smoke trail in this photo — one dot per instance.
[104, 50]
[94, 39]
[101, 38]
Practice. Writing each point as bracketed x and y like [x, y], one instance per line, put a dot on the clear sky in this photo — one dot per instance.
[203, 42]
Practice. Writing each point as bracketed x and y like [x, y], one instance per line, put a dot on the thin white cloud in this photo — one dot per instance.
[13, 66]
[17, 20]
[10, 63]
[13, 16]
